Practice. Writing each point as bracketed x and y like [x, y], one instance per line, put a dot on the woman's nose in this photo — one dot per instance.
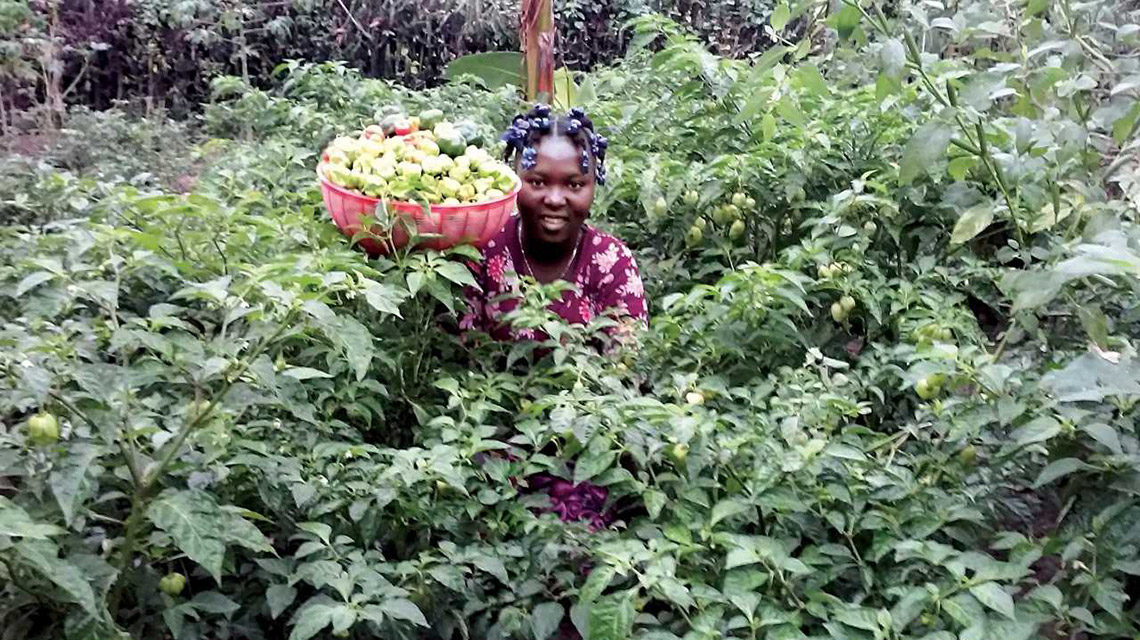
[555, 198]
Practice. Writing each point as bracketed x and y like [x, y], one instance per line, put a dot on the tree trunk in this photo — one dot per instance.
[537, 39]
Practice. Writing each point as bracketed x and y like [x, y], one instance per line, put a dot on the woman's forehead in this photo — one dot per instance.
[559, 150]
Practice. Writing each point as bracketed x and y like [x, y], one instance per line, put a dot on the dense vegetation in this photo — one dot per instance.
[901, 402]
[163, 53]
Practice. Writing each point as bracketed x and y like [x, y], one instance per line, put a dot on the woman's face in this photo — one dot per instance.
[556, 196]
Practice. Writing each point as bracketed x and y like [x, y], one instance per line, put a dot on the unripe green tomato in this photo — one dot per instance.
[870, 227]
[695, 397]
[172, 583]
[694, 236]
[733, 211]
[837, 312]
[924, 389]
[848, 303]
[823, 272]
[736, 231]
[700, 223]
[679, 452]
[691, 197]
[968, 455]
[660, 206]
[944, 334]
[43, 429]
[739, 199]
[750, 203]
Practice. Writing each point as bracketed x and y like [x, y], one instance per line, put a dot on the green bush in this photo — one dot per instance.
[901, 403]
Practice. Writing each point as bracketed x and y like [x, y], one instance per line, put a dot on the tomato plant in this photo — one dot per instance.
[889, 389]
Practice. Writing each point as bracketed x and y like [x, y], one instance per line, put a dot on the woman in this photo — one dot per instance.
[560, 160]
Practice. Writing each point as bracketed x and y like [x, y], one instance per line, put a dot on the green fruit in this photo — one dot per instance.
[837, 312]
[968, 455]
[739, 199]
[660, 206]
[694, 236]
[428, 147]
[847, 302]
[410, 169]
[691, 197]
[695, 398]
[340, 176]
[870, 227]
[925, 389]
[750, 203]
[736, 231]
[679, 452]
[453, 145]
[733, 211]
[43, 428]
[459, 172]
[172, 583]
[430, 118]
[700, 223]
[721, 215]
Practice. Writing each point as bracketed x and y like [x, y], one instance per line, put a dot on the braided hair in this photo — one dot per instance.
[528, 129]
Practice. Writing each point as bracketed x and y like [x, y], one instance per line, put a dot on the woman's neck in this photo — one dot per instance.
[548, 253]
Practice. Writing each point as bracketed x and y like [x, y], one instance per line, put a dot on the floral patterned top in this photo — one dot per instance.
[604, 275]
[606, 281]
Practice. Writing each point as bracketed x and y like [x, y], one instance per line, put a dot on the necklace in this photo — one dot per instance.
[526, 262]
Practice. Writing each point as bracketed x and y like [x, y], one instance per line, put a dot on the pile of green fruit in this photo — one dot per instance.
[418, 159]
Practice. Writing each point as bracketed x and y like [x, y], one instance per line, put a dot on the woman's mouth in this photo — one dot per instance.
[552, 224]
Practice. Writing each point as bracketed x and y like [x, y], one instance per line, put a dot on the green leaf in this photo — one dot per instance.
[908, 608]
[993, 596]
[596, 583]
[31, 281]
[810, 78]
[201, 529]
[545, 618]
[214, 602]
[383, 297]
[279, 597]
[496, 69]
[789, 110]
[590, 464]
[565, 90]
[727, 508]
[403, 609]
[780, 16]
[68, 476]
[846, 20]
[43, 557]
[16, 523]
[972, 222]
[314, 615]
[1038, 430]
[493, 566]
[456, 273]
[1059, 469]
[866, 619]
[611, 617]
[926, 146]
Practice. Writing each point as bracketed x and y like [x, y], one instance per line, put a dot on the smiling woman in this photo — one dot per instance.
[561, 161]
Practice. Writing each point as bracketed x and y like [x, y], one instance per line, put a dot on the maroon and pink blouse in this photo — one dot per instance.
[606, 281]
[604, 275]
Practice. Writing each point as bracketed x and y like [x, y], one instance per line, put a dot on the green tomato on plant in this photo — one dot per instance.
[172, 583]
[43, 429]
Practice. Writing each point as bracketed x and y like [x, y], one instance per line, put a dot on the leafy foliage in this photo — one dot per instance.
[247, 401]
